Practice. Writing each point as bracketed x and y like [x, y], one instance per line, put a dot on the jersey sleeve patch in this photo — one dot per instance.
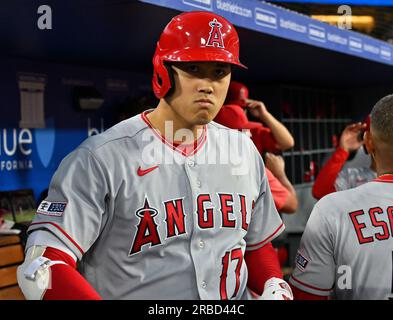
[54, 209]
[301, 261]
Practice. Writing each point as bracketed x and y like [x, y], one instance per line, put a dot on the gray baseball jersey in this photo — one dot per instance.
[347, 247]
[149, 221]
[349, 178]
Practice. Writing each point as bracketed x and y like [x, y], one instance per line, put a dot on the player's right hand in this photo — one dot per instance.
[276, 289]
[349, 139]
[256, 108]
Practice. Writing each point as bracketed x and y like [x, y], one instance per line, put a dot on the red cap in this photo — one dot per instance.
[233, 116]
[237, 94]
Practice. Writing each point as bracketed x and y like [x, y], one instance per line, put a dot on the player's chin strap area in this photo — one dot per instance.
[276, 289]
[34, 274]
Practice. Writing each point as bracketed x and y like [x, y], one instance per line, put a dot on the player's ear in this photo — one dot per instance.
[171, 72]
[368, 142]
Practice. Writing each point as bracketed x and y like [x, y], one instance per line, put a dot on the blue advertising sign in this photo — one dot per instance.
[340, 2]
[271, 19]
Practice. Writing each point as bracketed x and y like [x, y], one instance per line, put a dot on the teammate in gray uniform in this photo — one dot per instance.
[346, 249]
[150, 214]
[339, 173]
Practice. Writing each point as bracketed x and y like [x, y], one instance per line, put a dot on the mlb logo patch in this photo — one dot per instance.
[301, 261]
[55, 209]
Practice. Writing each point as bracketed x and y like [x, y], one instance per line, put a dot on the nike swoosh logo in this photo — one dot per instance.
[142, 172]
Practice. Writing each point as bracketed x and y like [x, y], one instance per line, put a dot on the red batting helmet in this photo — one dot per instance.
[237, 94]
[193, 36]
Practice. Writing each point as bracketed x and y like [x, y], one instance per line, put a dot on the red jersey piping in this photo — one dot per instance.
[63, 232]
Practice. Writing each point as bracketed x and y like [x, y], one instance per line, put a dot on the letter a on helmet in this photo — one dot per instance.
[215, 36]
[193, 36]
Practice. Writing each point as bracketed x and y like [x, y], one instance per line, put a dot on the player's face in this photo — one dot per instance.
[200, 90]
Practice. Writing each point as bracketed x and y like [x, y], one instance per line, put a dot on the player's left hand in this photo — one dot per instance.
[276, 289]
[349, 139]
[275, 164]
[256, 108]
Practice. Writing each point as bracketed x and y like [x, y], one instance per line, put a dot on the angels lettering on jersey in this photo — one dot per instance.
[174, 215]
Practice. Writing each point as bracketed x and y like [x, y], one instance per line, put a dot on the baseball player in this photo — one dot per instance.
[137, 212]
[284, 195]
[346, 248]
[333, 175]
[270, 138]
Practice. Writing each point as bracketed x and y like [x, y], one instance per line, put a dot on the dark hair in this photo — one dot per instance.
[382, 119]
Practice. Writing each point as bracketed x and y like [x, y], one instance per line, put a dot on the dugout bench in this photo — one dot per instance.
[11, 256]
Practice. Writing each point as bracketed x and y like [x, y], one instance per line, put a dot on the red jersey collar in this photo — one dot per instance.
[185, 150]
[385, 178]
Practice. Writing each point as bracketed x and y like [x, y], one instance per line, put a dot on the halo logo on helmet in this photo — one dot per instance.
[193, 36]
[215, 36]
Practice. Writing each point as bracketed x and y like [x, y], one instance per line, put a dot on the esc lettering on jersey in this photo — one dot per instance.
[347, 247]
[159, 230]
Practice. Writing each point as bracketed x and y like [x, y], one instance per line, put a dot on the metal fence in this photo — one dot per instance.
[315, 117]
